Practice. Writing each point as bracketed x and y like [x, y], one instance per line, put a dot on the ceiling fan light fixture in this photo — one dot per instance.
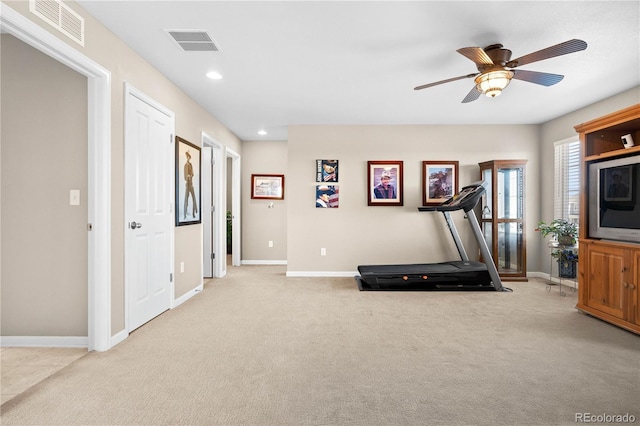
[492, 83]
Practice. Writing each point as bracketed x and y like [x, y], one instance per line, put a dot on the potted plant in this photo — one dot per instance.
[563, 231]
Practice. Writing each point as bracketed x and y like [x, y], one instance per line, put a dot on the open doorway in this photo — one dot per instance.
[220, 207]
[99, 169]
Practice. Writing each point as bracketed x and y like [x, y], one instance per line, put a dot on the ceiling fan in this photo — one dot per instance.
[496, 68]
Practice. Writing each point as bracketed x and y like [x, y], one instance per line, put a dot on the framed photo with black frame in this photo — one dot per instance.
[188, 193]
[385, 183]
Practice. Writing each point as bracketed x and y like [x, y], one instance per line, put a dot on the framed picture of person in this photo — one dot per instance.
[385, 183]
[187, 183]
[439, 181]
[327, 196]
[267, 187]
[326, 170]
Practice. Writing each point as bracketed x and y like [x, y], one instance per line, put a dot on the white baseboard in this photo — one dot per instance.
[322, 273]
[118, 338]
[573, 282]
[44, 341]
[264, 262]
[188, 295]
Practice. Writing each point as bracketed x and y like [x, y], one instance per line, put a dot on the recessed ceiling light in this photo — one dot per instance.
[213, 75]
[262, 132]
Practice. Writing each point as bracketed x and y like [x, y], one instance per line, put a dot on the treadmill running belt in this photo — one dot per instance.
[457, 275]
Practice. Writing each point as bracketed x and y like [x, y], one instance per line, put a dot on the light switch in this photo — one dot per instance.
[74, 197]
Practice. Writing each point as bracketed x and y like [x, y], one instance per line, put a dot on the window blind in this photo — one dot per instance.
[566, 202]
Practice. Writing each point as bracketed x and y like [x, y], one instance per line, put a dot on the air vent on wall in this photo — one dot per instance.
[61, 17]
[193, 40]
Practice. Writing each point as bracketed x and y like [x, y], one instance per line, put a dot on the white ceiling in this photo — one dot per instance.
[338, 62]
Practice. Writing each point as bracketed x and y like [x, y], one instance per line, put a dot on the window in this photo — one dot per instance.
[566, 202]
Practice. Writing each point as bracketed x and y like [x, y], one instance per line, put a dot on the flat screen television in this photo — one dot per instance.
[614, 199]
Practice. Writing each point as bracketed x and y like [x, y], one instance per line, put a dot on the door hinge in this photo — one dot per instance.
[213, 162]
[170, 277]
[170, 138]
[213, 255]
[89, 226]
[213, 209]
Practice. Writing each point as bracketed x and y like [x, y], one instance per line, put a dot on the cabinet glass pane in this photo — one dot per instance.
[487, 231]
[486, 197]
[509, 248]
[510, 193]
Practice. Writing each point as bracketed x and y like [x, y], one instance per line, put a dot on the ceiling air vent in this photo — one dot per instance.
[61, 17]
[193, 40]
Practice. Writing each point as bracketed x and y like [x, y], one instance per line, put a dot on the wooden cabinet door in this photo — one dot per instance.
[605, 279]
[632, 281]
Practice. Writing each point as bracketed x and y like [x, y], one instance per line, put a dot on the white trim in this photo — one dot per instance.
[119, 337]
[44, 341]
[220, 203]
[264, 262]
[188, 295]
[566, 141]
[351, 274]
[236, 208]
[569, 282]
[99, 166]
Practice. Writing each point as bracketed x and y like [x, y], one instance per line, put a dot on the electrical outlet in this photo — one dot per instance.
[323, 251]
[270, 243]
[181, 267]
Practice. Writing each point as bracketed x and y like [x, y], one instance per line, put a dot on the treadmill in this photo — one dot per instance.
[462, 274]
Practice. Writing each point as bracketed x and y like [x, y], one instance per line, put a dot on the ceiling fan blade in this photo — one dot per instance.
[542, 78]
[476, 54]
[424, 86]
[471, 96]
[567, 47]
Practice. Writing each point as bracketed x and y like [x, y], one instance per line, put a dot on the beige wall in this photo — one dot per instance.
[355, 234]
[44, 239]
[261, 223]
[191, 120]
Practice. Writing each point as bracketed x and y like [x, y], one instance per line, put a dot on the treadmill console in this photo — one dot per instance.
[464, 200]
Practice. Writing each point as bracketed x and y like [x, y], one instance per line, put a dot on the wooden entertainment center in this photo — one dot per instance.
[608, 271]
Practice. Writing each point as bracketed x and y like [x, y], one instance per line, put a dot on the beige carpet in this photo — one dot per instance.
[257, 348]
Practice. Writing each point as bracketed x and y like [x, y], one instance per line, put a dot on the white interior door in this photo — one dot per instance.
[207, 212]
[149, 151]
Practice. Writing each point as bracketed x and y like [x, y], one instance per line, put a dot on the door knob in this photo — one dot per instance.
[134, 225]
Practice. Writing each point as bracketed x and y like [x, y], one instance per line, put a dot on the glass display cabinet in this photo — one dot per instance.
[502, 216]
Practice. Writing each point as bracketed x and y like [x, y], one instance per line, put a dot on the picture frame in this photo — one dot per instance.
[618, 182]
[326, 170]
[439, 181]
[327, 196]
[385, 183]
[267, 187]
[188, 183]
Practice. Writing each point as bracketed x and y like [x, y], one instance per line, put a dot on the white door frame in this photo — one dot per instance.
[206, 211]
[236, 222]
[220, 202]
[129, 92]
[99, 167]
